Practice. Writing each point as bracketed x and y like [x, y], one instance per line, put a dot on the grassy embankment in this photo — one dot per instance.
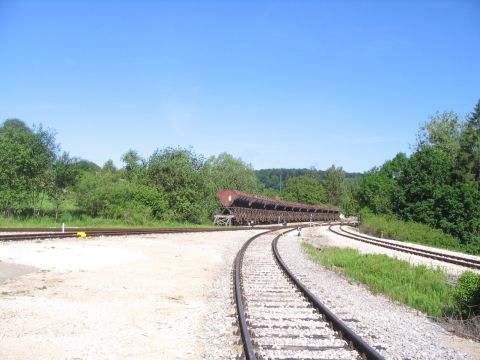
[418, 287]
[413, 232]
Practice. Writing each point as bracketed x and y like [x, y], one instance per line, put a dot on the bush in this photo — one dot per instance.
[466, 295]
[109, 196]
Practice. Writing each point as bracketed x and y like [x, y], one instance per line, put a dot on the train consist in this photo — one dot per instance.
[239, 208]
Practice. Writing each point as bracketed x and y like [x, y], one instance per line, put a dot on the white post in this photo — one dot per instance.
[63, 227]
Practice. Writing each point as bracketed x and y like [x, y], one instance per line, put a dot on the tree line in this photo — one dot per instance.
[437, 185]
[173, 184]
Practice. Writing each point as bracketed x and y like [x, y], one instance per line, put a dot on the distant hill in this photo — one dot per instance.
[276, 178]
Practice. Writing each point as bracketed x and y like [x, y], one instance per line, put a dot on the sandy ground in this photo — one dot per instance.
[139, 297]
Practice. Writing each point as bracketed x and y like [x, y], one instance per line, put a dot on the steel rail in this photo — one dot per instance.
[237, 282]
[248, 345]
[452, 259]
[113, 232]
[348, 334]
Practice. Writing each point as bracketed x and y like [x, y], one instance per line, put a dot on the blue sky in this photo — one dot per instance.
[277, 83]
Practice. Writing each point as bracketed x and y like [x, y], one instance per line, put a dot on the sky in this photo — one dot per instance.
[279, 84]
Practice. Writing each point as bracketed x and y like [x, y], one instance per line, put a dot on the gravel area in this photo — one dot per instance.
[395, 330]
[321, 236]
[220, 331]
[164, 296]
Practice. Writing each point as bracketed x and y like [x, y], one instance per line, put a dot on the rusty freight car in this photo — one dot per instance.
[239, 208]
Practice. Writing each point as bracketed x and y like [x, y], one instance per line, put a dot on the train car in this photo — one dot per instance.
[239, 208]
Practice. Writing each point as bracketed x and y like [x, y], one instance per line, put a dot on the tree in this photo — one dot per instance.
[26, 161]
[227, 172]
[304, 189]
[468, 159]
[109, 166]
[378, 189]
[179, 175]
[64, 177]
[334, 185]
[424, 174]
[442, 132]
[135, 166]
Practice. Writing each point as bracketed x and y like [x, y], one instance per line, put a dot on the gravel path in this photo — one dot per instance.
[396, 331]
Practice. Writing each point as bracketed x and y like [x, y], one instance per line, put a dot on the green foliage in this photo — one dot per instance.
[410, 231]
[304, 189]
[25, 166]
[468, 159]
[442, 132]
[466, 295]
[227, 172]
[334, 185]
[339, 191]
[439, 185]
[107, 195]
[276, 179]
[64, 176]
[135, 167]
[379, 191]
[178, 175]
[87, 166]
[419, 287]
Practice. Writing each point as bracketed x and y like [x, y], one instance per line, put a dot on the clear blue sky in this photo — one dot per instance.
[277, 83]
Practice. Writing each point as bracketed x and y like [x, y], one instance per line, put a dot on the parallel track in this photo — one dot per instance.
[40, 234]
[279, 317]
[436, 255]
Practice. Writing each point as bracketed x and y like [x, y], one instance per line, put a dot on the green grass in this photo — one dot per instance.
[412, 232]
[416, 286]
[84, 221]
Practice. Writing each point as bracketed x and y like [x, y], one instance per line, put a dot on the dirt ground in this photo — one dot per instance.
[139, 297]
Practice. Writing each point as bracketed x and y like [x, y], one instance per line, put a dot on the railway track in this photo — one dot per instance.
[432, 254]
[279, 318]
[40, 234]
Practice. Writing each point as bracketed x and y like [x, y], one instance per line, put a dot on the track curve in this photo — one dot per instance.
[279, 318]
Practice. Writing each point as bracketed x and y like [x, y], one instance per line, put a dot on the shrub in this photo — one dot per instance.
[466, 295]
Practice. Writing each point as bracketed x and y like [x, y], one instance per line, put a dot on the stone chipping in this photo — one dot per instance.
[395, 330]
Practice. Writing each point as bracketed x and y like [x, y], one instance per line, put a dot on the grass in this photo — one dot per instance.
[416, 286]
[411, 232]
[84, 221]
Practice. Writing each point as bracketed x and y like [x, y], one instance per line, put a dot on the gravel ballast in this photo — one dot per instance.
[395, 330]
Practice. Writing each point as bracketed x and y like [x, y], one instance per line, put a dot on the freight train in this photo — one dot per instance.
[239, 208]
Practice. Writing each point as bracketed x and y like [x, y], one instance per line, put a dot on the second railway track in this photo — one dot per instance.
[279, 318]
[432, 254]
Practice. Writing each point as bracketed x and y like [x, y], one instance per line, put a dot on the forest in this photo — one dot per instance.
[437, 185]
